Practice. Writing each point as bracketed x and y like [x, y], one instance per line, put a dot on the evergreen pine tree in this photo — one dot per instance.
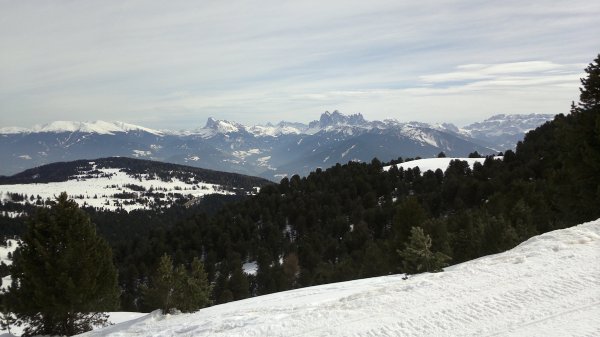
[590, 92]
[418, 256]
[159, 295]
[177, 288]
[192, 289]
[64, 277]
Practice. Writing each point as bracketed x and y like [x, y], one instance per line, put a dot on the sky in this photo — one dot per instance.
[172, 64]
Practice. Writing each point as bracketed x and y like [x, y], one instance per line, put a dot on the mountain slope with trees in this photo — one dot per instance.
[349, 221]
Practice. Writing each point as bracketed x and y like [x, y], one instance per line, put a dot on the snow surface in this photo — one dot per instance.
[113, 318]
[273, 131]
[419, 135]
[435, 163]
[547, 286]
[250, 268]
[106, 184]
[11, 246]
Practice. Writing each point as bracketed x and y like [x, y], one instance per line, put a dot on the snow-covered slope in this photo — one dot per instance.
[547, 286]
[121, 183]
[112, 188]
[433, 164]
[113, 318]
[5, 252]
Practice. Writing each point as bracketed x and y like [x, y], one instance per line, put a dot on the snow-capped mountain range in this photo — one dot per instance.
[271, 151]
[504, 131]
[97, 127]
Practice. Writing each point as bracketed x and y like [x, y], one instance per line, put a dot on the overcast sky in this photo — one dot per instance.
[172, 64]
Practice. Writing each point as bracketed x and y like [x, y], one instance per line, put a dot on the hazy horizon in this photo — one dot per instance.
[202, 124]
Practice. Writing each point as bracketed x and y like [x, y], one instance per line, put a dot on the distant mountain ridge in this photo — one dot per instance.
[98, 127]
[271, 151]
[504, 131]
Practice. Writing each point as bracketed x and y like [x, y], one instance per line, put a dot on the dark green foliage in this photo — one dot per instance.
[417, 255]
[590, 92]
[173, 289]
[159, 294]
[409, 214]
[63, 276]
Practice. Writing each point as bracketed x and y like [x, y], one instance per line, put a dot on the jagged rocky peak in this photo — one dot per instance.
[336, 118]
[211, 123]
[222, 125]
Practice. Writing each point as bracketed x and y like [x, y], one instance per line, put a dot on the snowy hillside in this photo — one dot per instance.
[5, 253]
[433, 164]
[110, 184]
[113, 189]
[547, 286]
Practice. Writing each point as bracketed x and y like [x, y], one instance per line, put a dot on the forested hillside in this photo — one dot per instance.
[350, 221]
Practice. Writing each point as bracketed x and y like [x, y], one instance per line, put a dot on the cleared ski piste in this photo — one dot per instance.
[547, 286]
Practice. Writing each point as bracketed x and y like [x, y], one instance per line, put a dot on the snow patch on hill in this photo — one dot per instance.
[433, 164]
[112, 189]
[6, 252]
[547, 286]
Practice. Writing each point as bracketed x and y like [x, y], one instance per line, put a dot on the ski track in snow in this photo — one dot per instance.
[547, 286]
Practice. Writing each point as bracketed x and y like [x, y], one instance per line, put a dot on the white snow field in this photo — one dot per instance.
[433, 164]
[99, 191]
[113, 317]
[547, 286]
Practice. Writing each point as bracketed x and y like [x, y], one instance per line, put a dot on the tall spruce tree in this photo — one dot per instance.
[64, 277]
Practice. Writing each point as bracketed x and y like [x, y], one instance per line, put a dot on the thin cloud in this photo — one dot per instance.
[170, 63]
[470, 72]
